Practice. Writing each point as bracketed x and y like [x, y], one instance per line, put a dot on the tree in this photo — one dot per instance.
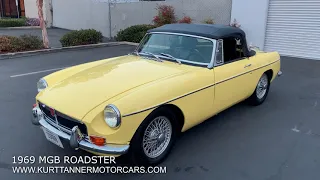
[42, 24]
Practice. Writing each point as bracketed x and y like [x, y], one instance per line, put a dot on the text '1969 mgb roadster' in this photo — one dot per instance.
[179, 76]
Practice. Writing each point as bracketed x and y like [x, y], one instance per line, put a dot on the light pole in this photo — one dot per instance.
[17, 5]
[1, 9]
[110, 28]
[42, 24]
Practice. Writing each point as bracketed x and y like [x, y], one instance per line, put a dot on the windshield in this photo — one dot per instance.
[176, 47]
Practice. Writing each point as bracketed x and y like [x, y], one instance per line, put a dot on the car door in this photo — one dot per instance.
[233, 79]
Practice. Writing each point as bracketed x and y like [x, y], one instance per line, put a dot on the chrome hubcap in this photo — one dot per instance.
[157, 137]
[161, 138]
[262, 86]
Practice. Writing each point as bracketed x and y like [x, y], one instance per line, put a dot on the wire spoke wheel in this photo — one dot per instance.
[157, 137]
[262, 86]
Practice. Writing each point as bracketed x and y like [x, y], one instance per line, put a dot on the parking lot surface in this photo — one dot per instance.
[277, 140]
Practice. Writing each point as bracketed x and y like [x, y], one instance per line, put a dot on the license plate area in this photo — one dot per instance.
[55, 139]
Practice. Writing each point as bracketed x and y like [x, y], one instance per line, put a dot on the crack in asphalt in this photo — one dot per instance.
[277, 175]
[190, 168]
[1, 150]
[309, 132]
[5, 165]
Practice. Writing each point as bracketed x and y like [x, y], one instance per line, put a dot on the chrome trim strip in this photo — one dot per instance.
[209, 65]
[232, 77]
[215, 59]
[137, 112]
[85, 144]
[169, 100]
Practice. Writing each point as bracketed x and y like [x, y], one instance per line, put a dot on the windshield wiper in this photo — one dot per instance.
[158, 59]
[171, 57]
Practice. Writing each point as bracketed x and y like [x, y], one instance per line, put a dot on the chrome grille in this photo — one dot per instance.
[60, 121]
[57, 125]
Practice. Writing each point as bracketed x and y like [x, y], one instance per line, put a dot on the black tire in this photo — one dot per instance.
[255, 99]
[136, 152]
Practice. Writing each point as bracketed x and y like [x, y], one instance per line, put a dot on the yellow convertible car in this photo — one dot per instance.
[179, 76]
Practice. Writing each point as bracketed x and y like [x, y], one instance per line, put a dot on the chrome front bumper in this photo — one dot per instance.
[76, 138]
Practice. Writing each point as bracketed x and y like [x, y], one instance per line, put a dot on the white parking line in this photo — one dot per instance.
[36, 72]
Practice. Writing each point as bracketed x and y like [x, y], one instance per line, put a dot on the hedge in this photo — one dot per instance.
[134, 33]
[22, 43]
[81, 37]
[12, 22]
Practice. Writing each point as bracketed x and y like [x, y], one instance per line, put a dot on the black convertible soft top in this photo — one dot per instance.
[213, 31]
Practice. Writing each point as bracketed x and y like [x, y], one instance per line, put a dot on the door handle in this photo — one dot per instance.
[248, 65]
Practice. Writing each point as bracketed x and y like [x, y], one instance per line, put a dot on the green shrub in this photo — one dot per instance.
[12, 22]
[22, 43]
[81, 37]
[26, 43]
[208, 21]
[134, 33]
[5, 44]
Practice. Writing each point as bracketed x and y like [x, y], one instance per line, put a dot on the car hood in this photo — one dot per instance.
[78, 94]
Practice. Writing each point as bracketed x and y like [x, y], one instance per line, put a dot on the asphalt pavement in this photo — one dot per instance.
[277, 140]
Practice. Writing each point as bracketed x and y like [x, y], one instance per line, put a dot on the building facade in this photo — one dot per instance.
[12, 8]
[290, 27]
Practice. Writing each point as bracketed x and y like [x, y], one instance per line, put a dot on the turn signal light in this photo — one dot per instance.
[34, 105]
[99, 141]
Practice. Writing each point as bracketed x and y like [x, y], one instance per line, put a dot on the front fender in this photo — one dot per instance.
[96, 125]
[135, 105]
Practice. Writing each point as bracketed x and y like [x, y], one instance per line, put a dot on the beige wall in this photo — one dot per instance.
[77, 14]
[254, 26]
[32, 10]
[127, 14]
[81, 14]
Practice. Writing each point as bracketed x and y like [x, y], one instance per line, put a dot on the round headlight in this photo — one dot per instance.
[112, 116]
[42, 84]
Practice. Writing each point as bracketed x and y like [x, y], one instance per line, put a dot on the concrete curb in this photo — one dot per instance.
[129, 43]
[51, 50]
[22, 27]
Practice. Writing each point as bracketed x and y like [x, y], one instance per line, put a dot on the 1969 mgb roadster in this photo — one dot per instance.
[179, 76]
